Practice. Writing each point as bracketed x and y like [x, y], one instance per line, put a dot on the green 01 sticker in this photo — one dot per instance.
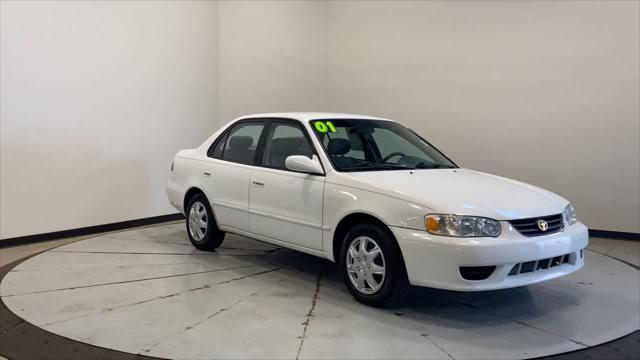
[325, 126]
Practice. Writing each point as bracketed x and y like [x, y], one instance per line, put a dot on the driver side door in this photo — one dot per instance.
[286, 205]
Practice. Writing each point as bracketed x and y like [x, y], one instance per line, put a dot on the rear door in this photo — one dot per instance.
[286, 205]
[227, 172]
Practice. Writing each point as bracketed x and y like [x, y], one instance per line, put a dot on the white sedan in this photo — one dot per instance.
[376, 198]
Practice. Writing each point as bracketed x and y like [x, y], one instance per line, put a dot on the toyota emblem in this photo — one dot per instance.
[543, 225]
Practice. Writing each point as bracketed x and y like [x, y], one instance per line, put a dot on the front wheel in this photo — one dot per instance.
[373, 266]
[201, 226]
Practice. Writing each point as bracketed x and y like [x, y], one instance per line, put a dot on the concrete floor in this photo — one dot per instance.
[13, 253]
[149, 291]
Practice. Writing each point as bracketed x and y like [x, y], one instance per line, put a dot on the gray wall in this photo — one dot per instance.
[544, 92]
[96, 97]
[272, 57]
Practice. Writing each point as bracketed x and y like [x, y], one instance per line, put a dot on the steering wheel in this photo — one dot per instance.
[393, 154]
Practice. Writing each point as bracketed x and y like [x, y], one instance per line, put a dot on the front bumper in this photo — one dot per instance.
[435, 261]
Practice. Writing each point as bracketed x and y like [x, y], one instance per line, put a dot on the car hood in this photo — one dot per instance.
[461, 191]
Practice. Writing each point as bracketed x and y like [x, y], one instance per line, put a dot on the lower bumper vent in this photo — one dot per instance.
[476, 272]
[542, 264]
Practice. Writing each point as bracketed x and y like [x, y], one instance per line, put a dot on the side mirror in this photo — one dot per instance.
[303, 164]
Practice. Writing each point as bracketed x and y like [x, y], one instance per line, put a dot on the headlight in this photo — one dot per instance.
[570, 215]
[461, 225]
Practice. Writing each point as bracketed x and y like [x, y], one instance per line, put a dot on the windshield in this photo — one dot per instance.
[366, 145]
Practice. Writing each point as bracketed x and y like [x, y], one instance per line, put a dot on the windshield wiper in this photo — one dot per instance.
[422, 165]
[367, 165]
[376, 166]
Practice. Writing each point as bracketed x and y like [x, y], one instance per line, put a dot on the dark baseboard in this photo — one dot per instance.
[172, 217]
[614, 234]
[89, 230]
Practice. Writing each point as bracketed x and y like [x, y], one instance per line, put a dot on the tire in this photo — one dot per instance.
[392, 281]
[198, 214]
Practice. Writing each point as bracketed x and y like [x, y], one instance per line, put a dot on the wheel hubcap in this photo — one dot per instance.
[198, 221]
[365, 265]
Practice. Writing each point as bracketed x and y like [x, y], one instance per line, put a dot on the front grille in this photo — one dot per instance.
[530, 227]
[542, 264]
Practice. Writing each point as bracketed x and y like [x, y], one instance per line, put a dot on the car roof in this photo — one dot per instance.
[306, 116]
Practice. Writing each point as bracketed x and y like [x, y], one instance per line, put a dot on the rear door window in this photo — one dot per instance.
[242, 142]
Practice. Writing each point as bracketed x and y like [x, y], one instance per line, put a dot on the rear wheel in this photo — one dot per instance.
[373, 267]
[201, 225]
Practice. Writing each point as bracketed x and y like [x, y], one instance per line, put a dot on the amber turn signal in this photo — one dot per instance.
[432, 224]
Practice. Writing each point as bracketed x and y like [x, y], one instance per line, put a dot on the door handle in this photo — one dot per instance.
[258, 183]
[206, 173]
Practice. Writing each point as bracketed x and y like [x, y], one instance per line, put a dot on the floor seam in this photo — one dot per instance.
[519, 322]
[148, 253]
[424, 335]
[129, 281]
[309, 316]
[250, 275]
[615, 258]
[549, 332]
[191, 327]
[4, 331]
[102, 267]
[185, 244]
[161, 297]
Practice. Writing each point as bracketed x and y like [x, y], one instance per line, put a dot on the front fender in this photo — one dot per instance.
[341, 201]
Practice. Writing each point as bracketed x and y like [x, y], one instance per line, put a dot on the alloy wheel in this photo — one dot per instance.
[365, 265]
[198, 221]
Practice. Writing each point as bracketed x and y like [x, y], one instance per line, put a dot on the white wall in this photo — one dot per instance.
[545, 92]
[96, 98]
[272, 57]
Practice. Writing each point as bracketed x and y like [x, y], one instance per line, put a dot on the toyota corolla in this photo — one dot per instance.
[376, 198]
